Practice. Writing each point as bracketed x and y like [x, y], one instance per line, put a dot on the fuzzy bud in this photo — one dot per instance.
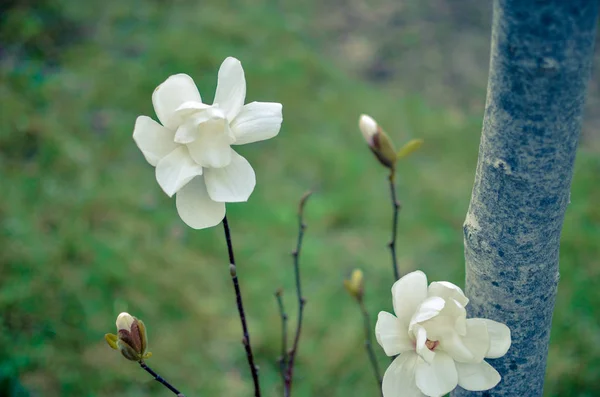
[131, 339]
[379, 143]
[125, 321]
[355, 285]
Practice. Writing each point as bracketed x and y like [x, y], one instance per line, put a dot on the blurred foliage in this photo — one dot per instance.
[85, 231]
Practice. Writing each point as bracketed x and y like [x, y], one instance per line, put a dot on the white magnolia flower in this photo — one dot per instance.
[192, 151]
[438, 347]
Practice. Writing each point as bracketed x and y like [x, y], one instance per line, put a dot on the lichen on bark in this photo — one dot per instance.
[540, 65]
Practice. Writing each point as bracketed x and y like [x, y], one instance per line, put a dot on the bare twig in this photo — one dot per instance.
[392, 243]
[369, 344]
[160, 379]
[301, 301]
[240, 307]
[283, 359]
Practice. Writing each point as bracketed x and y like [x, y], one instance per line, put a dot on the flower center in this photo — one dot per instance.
[431, 344]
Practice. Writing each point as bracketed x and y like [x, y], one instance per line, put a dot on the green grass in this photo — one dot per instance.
[86, 232]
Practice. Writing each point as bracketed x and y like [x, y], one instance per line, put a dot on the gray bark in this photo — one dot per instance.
[540, 66]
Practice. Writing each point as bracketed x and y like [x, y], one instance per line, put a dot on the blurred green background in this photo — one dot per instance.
[86, 232]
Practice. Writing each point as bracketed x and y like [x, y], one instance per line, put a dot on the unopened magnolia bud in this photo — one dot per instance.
[379, 143]
[368, 126]
[131, 339]
[409, 148]
[124, 321]
[355, 285]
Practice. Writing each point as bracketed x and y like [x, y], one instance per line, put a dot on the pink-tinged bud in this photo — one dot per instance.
[378, 141]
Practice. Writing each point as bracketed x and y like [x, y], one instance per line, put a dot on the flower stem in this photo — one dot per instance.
[283, 360]
[160, 379]
[369, 344]
[301, 301]
[240, 307]
[392, 243]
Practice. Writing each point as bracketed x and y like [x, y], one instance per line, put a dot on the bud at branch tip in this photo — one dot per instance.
[379, 143]
[131, 339]
[355, 285]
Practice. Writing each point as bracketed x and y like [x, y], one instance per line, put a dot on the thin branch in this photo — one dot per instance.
[369, 344]
[283, 359]
[240, 307]
[160, 379]
[301, 300]
[392, 243]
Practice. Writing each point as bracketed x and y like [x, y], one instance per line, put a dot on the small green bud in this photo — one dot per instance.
[355, 285]
[379, 143]
[131, 339]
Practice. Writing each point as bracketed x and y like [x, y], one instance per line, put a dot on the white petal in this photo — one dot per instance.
[190, 108]
[399, 378]
[391, 335]
[408, 293]
[448, 290]
[189, 130]
[186, 133]
[257, 121]
[477, 377]
[453, 344]
[450, 321]
[500, 339]
[231, 87]
[427, 310]
[154, 140]
[196, 208]
[210, 148]
[470, 348]
[175, 170]
[437, 378]
[477, 338]
[460, 325]
[170, 95]
[233, 183]
[421, 347]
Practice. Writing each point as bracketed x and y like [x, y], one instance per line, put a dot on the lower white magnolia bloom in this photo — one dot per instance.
[438, 347]
[192, 151]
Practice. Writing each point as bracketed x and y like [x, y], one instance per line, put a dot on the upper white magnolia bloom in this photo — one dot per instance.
[439, 347]
[192, 151]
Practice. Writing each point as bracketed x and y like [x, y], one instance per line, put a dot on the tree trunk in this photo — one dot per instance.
[540, 64]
